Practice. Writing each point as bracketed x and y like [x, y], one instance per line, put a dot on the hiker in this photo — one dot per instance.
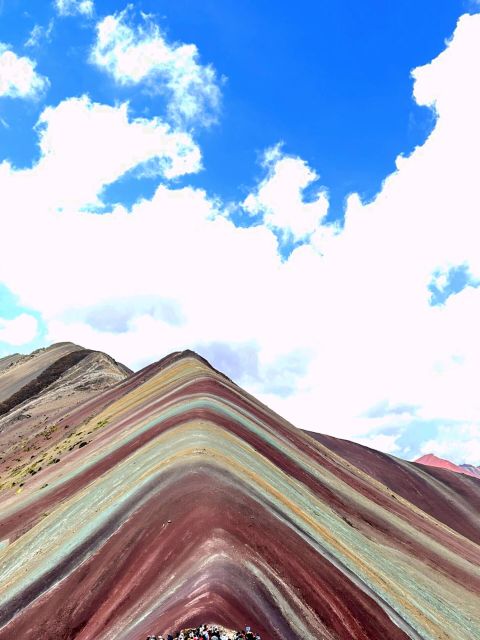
[209, 632]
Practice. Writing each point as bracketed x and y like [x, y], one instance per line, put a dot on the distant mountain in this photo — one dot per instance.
[433, 461]
[138, 503]
[475, 471]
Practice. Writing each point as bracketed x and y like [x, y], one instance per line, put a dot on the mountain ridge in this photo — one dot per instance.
[39, 389]
[431, 460]
[191, 501]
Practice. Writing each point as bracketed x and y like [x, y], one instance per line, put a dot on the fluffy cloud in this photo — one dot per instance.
[74, 7]
[341, 336]
[279, 200]
[381, 442]
[460, 442]
[18, 78]
[19, 330]
[86, 146]
[140, 54]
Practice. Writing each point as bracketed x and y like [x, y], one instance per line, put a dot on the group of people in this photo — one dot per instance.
[209, 632]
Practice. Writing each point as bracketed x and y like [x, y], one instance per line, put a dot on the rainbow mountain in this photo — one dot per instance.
[138, 503]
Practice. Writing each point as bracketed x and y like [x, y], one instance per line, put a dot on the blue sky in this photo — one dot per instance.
[331, 80]
[180, 174]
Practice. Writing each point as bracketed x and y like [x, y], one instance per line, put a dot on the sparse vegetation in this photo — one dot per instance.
[100, 424]
[47, 432]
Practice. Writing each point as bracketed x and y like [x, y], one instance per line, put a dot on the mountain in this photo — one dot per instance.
[448, 498]
[433, 461]
[471, 469]
[36, 390]
[174, 498]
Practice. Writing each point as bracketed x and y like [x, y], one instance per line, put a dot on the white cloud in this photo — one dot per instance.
[75, 7]
[18, 78]
[141, 54]
[39, 34]
[86, 146]
[19, 330]
[341, 327]
[382, 442]
[457, 443]
[279, 196]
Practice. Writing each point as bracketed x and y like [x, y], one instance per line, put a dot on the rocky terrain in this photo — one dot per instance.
[38, 390]
[170, 497]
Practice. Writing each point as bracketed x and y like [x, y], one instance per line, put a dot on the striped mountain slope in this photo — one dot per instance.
[175, 498]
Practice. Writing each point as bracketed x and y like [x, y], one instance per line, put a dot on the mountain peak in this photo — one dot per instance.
[172, 497]
[432, 460]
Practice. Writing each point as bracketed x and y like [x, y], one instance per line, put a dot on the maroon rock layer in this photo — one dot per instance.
[174, 498]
